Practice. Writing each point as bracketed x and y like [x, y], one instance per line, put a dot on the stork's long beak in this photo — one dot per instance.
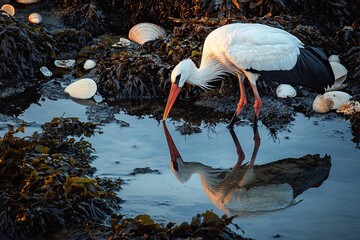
[174, 153]
[174, 92]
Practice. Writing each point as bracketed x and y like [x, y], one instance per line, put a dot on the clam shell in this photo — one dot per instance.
[334, 58]
[45, 71]
[82, 89]
[35, 18]
[27, 1]
[9, 9]
[285, 91]
[340, 73]
[330, 101]
[69, 63]
[144, 32]
[89, 64]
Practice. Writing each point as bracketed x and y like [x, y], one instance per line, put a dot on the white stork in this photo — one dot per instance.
[252, 50]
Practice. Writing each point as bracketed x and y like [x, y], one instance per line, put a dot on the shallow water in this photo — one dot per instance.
[329, 211]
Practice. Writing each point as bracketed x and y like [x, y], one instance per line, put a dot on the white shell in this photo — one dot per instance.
[69, 63]
[285, 91]
[340, 73]
[82, 89]
[330, 101]
[35, 18]
[9, 9]
[45, 71]
[89, 64]
[349, 108]
[334, 58]
[123, 42]
[27, 1]
[144, 32]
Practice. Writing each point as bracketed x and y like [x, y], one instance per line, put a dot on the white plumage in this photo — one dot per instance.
[253, 50]
[256, 46]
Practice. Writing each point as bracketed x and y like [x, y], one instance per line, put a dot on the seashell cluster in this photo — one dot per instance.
[285, 91]
[330, 101]
[82, 89]
[35, 18]
[143, 32]
[45, 71]
[340, 73]
[349, 108]
[9, 9]
[27, 1]
[69, 63]
[89, 64]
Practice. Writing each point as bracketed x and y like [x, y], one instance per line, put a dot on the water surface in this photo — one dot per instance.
[328, 211]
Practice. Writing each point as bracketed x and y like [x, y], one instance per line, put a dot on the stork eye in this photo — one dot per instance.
[177, 79]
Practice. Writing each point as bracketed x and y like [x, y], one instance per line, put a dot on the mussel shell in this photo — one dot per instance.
[45, 71]
[35, 18]
[9, 9]
[67, 63]
[123, 42]
[285, 91]
[143, 32]
[330, 101]
[82, 89]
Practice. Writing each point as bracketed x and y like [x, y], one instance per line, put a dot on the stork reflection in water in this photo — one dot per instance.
[248, 189]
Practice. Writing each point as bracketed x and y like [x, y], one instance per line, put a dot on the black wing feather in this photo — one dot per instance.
[311, 70]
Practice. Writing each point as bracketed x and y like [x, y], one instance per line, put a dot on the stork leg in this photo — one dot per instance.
[242, 101]
[257, 141]
[257, 103]
[239, 151]
[253, 77]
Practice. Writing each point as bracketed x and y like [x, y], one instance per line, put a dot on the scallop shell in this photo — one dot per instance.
[45, 71]
[340, 73]
[69, 63]
[27, 1]
[334, 58]
[82, 89]
[9, 9]
[330, 101]
[285, 91]
[35, 18]
[89, 64]
[144, 32]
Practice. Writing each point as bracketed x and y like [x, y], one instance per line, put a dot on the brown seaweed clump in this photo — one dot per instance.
[206, 225]
[23, 50]
[46, 181]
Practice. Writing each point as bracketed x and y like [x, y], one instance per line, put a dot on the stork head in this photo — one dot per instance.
[181, 74]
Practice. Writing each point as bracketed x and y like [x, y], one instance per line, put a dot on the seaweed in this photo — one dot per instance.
[46, 180]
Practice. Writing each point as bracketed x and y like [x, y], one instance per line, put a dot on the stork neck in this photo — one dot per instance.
[210, 70]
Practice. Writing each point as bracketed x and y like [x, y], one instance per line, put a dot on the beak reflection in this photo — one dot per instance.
[248, 189]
